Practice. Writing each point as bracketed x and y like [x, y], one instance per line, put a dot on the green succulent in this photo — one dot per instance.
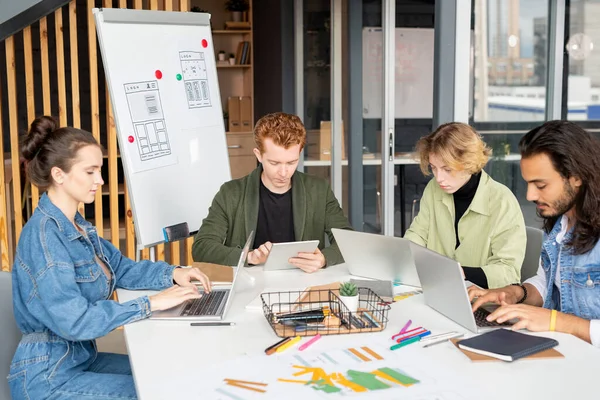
[348, 289]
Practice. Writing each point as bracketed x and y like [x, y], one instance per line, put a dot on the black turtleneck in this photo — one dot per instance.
[462, 200]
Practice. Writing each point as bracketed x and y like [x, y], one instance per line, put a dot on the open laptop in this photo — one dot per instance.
[211, 306]
[377, 256]
[445, 290]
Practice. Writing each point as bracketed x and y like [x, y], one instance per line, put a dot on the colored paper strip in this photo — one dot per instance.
[359, 355]
[372, 353]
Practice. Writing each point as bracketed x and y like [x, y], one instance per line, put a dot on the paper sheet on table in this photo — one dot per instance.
[360, 366]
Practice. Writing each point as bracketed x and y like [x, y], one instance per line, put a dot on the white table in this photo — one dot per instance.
[166, 356]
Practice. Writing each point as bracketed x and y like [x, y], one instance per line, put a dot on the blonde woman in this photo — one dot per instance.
[464, 213]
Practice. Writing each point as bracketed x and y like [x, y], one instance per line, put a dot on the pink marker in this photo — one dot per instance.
[406, 326]
[311, 341]
[406, 332]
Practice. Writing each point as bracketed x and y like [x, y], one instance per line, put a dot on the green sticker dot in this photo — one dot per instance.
[178, 76]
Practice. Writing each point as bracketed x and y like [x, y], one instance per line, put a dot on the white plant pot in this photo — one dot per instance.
[232, 61]
[351, 302]
[221, 56]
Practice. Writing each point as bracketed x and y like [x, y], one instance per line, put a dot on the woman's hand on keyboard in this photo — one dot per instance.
[505, 295]
[190, 277]
[173, 297]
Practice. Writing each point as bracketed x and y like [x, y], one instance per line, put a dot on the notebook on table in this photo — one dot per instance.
[507, 345]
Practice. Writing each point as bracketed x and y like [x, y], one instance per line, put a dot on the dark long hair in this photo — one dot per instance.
[573, 153]
[46, 146]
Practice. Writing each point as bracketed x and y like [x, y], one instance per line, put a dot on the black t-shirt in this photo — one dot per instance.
[275, 217]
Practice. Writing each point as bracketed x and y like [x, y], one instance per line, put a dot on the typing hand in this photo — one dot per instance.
[259, 256]
[309, 262]
[173, 296]
[497, 296]
[185, 276]
[532, 318]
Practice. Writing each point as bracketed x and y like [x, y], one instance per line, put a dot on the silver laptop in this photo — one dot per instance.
[377, 256]
[445, 290]
[211, 306]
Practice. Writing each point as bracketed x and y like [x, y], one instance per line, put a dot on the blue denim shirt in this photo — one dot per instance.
[61, 296]
[579, 292]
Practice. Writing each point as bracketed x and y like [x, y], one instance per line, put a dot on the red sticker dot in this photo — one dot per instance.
[158, 74]
[204, 43]
[130, 138]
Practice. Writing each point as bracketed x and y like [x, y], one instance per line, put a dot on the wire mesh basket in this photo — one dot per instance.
[307, 313]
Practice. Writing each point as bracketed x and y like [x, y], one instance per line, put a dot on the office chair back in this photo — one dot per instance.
[10, 335]
[531, 262]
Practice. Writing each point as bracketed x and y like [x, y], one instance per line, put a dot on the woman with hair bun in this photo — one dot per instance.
[466, 215]
[64, 275]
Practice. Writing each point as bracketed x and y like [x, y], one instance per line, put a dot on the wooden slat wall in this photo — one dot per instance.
[60, 68]
[54, 102]
[94, 103]
[5, 221]
[75, 105]
[30, 90]
[112, 163]
[11, 78]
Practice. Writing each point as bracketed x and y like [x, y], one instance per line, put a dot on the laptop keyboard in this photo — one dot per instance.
[208, 304]
[480, 319]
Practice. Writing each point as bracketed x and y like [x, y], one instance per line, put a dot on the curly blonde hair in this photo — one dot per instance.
[283, 129]
[459, 146]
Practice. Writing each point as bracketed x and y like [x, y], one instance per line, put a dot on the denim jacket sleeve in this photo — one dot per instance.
[133, 275]
[57, 301]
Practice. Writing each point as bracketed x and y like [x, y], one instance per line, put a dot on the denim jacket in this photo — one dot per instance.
[61, 297]
[579, 277]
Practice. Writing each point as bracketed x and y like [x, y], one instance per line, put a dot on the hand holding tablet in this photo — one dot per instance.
[280, 254]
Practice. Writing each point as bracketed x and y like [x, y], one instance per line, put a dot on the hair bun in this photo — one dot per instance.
[38, 133]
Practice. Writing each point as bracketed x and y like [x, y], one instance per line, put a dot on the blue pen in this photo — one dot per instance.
[420, 335]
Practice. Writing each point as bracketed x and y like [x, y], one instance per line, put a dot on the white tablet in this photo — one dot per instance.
[281, 252]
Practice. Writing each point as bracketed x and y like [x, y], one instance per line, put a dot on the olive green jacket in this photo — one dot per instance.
[234, 214]
[491, 231]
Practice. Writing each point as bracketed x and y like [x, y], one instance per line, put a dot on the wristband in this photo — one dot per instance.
[524, 293]
[553, 320]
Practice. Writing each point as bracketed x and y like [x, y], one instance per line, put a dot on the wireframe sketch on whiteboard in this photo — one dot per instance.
[195, 78]
[150, 139]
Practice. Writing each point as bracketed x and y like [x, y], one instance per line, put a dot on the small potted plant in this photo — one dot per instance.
[349, 295]
[231, 59]
[237, 8]
[222, 55]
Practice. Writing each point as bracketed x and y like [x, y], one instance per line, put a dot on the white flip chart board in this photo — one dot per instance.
[162, 78]
[413, 72]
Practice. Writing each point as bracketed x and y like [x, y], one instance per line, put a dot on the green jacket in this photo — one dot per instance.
[491, 231]
[234, 214]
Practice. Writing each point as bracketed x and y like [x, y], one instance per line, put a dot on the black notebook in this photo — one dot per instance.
[507, 345]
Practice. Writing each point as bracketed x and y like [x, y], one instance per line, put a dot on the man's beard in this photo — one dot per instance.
[566, 201]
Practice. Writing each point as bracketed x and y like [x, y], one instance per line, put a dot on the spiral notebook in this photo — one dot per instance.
[506, 344]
